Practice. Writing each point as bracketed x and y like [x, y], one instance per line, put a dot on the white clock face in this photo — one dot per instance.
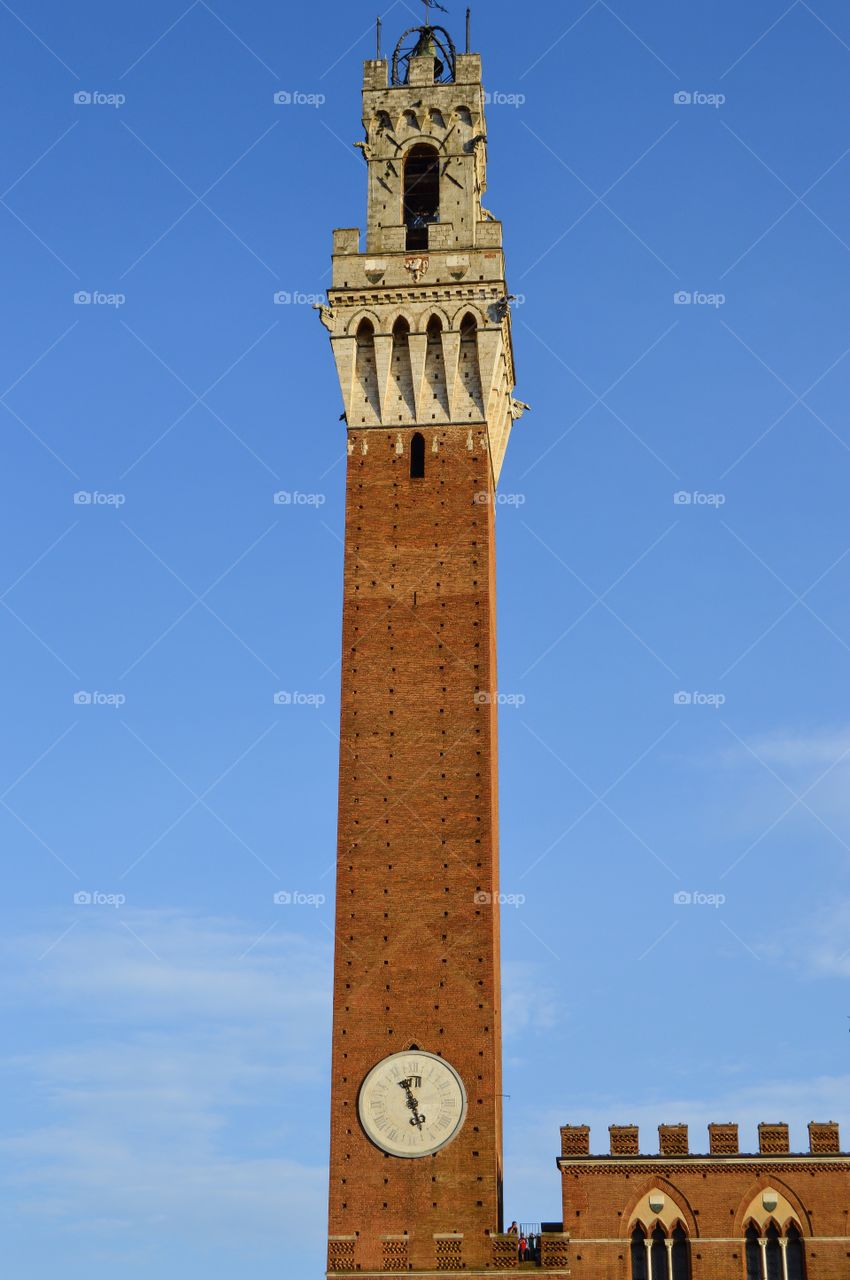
[412, 1104]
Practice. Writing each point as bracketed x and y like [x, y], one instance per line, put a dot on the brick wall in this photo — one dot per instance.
[416, 953]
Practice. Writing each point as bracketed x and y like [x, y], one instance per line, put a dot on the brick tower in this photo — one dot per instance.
[420, 330]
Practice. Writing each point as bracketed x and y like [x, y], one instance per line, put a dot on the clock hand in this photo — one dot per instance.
[413, 1103]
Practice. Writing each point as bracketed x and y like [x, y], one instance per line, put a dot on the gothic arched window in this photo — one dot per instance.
[421, 193]
[658, 1253]
[681, 1263]
[753, 1253]
[639, 1254]
[417, 457]
[794, 1255]
[773, 1253]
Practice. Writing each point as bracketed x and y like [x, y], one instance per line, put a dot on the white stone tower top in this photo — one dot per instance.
[431, 280]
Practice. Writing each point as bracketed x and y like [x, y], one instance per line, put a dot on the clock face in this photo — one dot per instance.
[412, 1104]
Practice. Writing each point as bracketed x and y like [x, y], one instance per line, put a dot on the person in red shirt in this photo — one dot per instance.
[523, 1248]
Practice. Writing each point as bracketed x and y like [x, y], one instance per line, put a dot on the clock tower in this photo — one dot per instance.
[420, 330]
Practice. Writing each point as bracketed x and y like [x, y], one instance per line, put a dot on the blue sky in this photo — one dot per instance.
[165, 1063]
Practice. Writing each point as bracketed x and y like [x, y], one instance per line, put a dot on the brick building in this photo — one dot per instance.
[419, 323]
[721, 1215]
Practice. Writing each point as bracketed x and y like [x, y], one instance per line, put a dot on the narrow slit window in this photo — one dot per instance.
[417, 457]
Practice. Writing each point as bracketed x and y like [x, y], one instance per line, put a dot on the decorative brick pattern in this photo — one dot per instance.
[449, 1253]
[394, 1255]
[773, 1139]
[341, 1255]
[824, 1139]
[673, 1139]
[554, 1250]
[625, 1139]
[504, 1251]
[575, 1140]
[723, 1139]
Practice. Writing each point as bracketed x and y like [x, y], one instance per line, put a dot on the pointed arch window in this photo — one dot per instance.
[679, 1256]
[774, 1254]
[794, 1253]
[662, 1254]
[421, 193]
[417, 457]
[639, 1254]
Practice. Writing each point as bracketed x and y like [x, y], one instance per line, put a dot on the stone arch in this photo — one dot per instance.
[789, 1208]
[420, 139]
[359, 316]
[677, 1209]
[427, 316]
[401, 314]
[468, 308]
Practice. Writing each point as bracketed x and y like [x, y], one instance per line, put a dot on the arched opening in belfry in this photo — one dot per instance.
[400, 399]
[367, 408]
[421, 193]
[435, 399]
[470, 400]
[417, 457]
